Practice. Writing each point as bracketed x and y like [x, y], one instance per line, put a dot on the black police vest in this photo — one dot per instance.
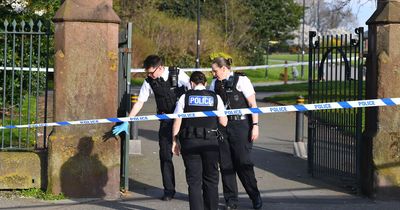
[166, 93]
[232, 98]
[202, 127]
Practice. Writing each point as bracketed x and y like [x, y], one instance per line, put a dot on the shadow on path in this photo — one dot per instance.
[152, 191]
[149, 134]
[288, 167]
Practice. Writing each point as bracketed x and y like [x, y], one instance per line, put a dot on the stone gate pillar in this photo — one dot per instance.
[84, 161]
[381, 166]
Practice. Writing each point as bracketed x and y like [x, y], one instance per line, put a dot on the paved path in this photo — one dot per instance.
[261, 84]
[283, 179]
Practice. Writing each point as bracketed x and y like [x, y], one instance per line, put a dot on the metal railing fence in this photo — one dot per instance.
[24, 92]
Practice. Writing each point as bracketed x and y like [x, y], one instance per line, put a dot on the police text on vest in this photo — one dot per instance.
[201, 100]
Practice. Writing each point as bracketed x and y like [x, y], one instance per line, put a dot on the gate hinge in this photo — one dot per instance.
[125, 50]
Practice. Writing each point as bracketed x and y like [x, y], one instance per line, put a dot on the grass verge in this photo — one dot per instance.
[343, 119]
[327, 91]
[20, 137]
[258, 75]
[287, 56]
[40, 194]
[289, 98]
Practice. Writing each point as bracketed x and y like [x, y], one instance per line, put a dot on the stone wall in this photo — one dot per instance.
[22, 170]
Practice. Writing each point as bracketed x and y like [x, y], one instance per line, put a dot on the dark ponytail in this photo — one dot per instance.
[220, 61]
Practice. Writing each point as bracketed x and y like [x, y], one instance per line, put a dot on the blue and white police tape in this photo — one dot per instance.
[234, 68]
[141, 70]
[243, 68]
[259, 110]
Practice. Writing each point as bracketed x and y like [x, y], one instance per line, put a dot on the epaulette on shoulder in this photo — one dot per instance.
[148, 79]
[238, 73]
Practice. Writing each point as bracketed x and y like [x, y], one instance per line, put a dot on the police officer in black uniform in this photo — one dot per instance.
[237, 92]
[198, 142]
[168, 86]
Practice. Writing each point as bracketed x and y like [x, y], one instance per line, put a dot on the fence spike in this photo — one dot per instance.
[39, 24]
[5, 25]
[14, 24]
[23, 26]
[31, 25]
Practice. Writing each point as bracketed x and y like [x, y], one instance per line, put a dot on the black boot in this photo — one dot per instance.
[168, 196]
[257, 202]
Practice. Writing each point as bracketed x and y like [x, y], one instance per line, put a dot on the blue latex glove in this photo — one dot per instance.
[120, 128]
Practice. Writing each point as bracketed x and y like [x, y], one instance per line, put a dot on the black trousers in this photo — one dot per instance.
[167, 167]
[235, 158]
[201, 162]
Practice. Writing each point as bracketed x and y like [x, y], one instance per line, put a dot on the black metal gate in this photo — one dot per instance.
[124, 81]
[336, 74]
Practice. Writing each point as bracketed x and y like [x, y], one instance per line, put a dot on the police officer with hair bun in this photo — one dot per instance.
[167, 85]
[198, 142]
[237, 92]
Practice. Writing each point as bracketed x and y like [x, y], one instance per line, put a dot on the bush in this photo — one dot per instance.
[174, 38]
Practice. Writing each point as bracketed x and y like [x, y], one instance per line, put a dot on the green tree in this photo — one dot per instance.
[272, 20]
[184, 8]
[245, 25]
[231, 20]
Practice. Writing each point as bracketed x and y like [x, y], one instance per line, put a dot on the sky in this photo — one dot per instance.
[363, 10]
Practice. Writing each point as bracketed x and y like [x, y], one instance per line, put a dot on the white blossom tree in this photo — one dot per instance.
[28, 9]
[17, 6]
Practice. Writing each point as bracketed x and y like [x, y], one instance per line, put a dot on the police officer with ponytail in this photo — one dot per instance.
[167, 85]
[237, 92]
[198, 142]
